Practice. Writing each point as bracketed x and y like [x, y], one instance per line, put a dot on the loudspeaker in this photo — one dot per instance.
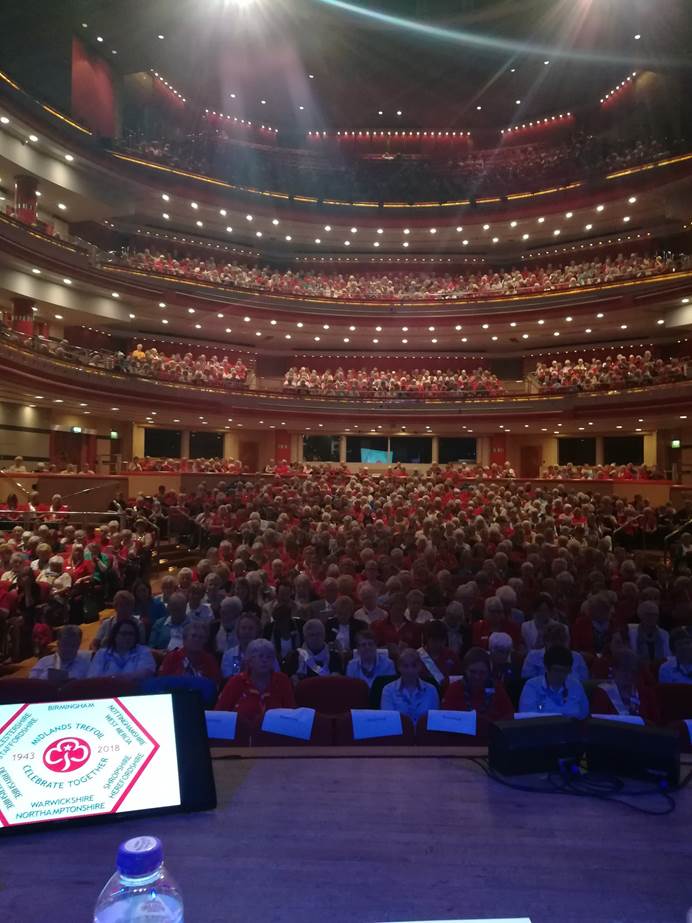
[533, 744]
[633, 750]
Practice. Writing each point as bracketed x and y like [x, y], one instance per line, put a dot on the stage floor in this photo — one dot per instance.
[370, 840]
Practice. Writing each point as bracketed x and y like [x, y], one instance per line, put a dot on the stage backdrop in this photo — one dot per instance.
[93, 91]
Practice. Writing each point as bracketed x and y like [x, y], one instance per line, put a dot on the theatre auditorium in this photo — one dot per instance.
[346, 461]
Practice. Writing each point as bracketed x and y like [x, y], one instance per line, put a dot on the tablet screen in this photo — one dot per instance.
[72, 760]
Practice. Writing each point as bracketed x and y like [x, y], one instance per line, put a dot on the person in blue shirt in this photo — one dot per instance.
[678, 668]
[409, 695]
[556, 692]
[369, 663]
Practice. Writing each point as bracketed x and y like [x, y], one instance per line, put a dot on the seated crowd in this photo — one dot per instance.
[628, 472]
[475, 597]
[602, 374]
[393, 176]
[412, 285]
[150, 363]
[374, 383]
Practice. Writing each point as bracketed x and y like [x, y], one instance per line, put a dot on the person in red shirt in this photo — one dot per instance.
[396, 631]
[260, 687]
[627, 693]
[477, 692]
[192, 659]
[494, 620]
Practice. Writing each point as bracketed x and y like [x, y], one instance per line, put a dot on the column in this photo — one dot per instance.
[23, 315]
[342, 448]
[282, 446]
[435, 449]
[25, 198]
[599, 451]
[185, 444]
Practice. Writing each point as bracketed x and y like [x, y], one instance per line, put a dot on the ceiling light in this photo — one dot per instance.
[524, 336]
[289, 238]
[4, 120]
[355, 231]
[458, 327]
[599, 208]
[299, 324]
[541, 220]
[485, 326]
[459, 229]
[376, 244]
[248, 217]
[375, 340]
[541, 322]
[246, 319]
[288, 336]
[637, 36]
[518, 102]
[258, 233]
[198, 326]
[464, 243]
[405, 243]
[165, 216]
[464, 339]
[347, 243]
[58, 316]
[162, 304]
[318, 240]
[380, 231]
[524, 236]
[600, 315]
[379, 329]
[587, 227]
[556, 333]
[660, 321]
[431, 329]
[194, 205]
[36, 272]
[486, 227]
[190, 310]
[325, 326]
[512, 224]
[347, 340]
[115, 295]
[479, 108]
[164, 321]
[33, 138]
[228, 330]
[632, 199]
[588, 330]
[317, 339]
[199, 224]
[623, 326]
[406, 230]
[67, 281]
[626, 218]
[556, 232]
[327, 227]
[404, 340]
[275, 221]
[569, 319]
[62, 206]
[165, 197]
[404, 329]
[568, 214]
[352, 328]
[132, 316]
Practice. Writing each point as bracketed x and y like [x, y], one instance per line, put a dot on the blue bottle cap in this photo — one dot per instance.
[141, 855]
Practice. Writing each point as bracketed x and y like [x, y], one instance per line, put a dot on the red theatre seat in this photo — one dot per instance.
[27, 690]
[675, 700]
[332, 695]
[343, 734]
[98, 688]
[322, 735]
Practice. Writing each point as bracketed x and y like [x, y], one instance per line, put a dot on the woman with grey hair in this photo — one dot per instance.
[313, 657]
[259, 687]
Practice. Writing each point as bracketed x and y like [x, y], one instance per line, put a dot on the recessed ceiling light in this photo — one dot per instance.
[288, 336]
[587, 227]
[376, 244]
[518, 102]
[660, 321]
[165, 197]
[568, 214]
[58, 316]
[162, 304]
[299, 324]
[248, 217]
[405, 244]
[486, 227]
[479, 108]
[600, 315]
[33, 138]
[228, 330]
[164, 321]
[623, 326]
[632, 199]
[355, 231]
[524, 236]
[165, 216]
[347, 340]
[36, 272]
[67, 281]
[275, 221]
[223, 212]
[541, 322]
[485, 326]
[637, 36]
[289, 238]
[588, 330]
[556, 232]
[599, 208]
[524, 336]
[194, 205]
[347, 243]
[464, 339]
[258, 233]
[198, 326]
[404, 329]
[541, 220]
[132, 316]
[459, 229]
[190, 310]
[512, 224]
[512, 323]
[464, 243]
[247, 319]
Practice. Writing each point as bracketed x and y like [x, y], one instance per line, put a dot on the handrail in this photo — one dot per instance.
[8, 475]
[380, 401]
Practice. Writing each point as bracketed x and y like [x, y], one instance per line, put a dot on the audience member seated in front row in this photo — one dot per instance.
[68, 662]
[409, 694]
[626, 694]
[556, 692]
[368, 663]
[123, 655]
[259, 687]
[678, 667]
[439, 661]
[477, 692]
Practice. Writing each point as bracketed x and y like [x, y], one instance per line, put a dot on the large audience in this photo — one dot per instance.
[374, 383]
[474, 596]
[618, 371]
[403, 175]
[410, 285]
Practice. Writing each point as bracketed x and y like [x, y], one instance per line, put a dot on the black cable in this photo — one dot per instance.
[589, 788]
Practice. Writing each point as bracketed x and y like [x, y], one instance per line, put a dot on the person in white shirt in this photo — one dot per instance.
[124, 606]
[369, 610]
[556, 692]
[678, 667]
[415, 611]
[229, 613]
[123, 655]
[409, 695]
[368, 663]
[313, 657]
[197, 610]
[68, 662]
[647, 640]
[556, 635]
[543, 615]
[247, 629]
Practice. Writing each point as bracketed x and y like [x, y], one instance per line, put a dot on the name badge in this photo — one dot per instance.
[453, 722]
[221, 725]
[367, 724]
[289, 722]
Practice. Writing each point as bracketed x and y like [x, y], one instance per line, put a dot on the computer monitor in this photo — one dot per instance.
[99, 759]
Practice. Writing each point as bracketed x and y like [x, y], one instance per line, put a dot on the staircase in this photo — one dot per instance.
[173, 556]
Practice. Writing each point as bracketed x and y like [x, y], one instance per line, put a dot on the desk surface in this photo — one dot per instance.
[360, 840]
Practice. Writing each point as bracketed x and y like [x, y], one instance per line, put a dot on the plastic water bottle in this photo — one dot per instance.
[141, 889]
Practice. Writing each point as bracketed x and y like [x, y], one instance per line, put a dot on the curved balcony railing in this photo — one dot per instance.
[27, 365]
